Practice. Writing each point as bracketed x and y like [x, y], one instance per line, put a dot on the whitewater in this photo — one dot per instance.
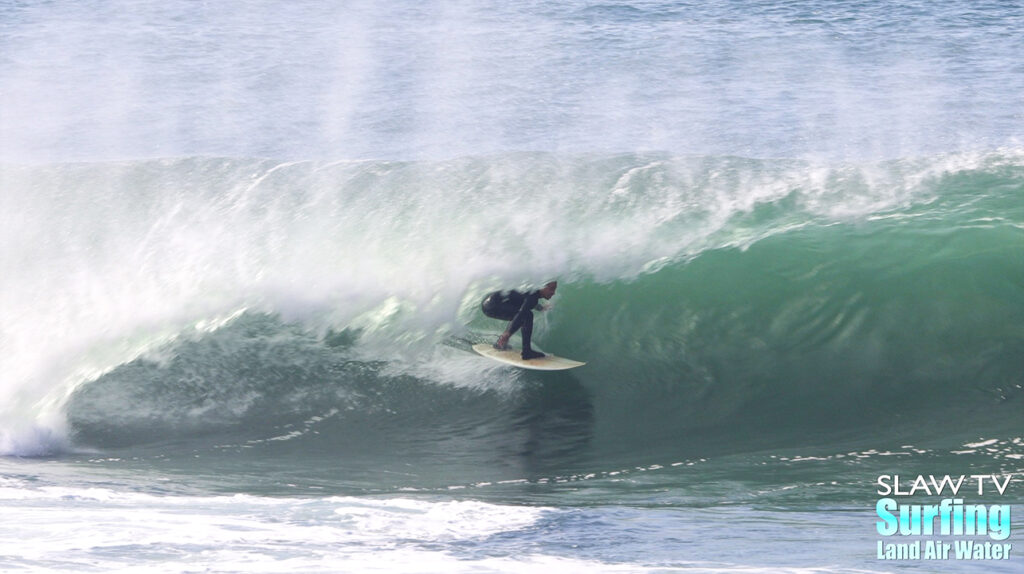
[244, 253]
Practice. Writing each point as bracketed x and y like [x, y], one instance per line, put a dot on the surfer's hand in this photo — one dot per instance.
[503, 340]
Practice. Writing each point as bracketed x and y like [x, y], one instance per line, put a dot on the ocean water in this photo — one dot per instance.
[244, 250]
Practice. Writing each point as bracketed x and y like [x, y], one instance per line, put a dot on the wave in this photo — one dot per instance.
[330, 307]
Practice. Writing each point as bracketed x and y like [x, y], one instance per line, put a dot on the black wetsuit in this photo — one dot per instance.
[515, 307]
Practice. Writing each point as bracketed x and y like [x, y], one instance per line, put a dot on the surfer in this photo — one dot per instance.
[517, 308]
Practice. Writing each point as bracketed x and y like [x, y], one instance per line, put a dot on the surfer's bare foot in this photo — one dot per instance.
[502, 343]
[531, 354]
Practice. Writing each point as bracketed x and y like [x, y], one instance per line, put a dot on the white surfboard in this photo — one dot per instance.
[513, 357]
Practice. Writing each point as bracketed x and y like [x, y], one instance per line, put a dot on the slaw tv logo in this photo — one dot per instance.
[969, 531]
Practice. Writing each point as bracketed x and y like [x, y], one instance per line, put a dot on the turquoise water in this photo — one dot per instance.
[245, 253]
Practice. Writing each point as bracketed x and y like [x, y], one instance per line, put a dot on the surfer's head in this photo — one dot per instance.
[548, 290]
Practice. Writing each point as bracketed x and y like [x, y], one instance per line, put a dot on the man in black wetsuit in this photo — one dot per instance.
[517, 308]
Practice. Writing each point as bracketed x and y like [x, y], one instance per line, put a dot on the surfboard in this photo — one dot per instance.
[513, 357]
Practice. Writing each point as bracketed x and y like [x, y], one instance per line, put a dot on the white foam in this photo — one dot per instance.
[88, 528]
[69, 529]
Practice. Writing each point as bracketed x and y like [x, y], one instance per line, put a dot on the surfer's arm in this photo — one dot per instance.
[530, 301]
